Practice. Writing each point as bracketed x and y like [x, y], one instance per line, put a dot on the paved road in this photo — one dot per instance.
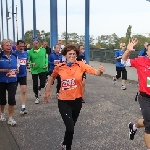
[102, 124]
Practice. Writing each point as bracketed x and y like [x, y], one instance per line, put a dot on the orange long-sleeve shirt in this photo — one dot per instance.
[71, 79]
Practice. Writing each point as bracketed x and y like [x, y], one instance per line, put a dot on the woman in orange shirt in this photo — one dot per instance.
[70, 95]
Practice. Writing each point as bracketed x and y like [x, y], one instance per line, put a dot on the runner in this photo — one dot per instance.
[54, 59]
[120, 68]
[48, 49]
[70, 96]
[22, 75]
[39, 66]
[8, 81]
[81, 57]
[142, 64]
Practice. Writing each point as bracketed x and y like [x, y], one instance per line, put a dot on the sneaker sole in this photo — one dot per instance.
[3, 120]
[12, 124]
[129, 131]
[23, 113]
[124, 89]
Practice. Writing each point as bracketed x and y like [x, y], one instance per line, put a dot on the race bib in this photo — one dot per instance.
[56, 62]
[148, 81]
[12, 73]
[22, 61]
[68, 84]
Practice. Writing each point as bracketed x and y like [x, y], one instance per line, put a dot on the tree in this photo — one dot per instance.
[42, 36]
[128, 34]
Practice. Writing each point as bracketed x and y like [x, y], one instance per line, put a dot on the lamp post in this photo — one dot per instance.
[66, 24]
[16, 21]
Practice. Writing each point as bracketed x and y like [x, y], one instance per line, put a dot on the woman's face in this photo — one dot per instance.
[71, 56]
[7, 47]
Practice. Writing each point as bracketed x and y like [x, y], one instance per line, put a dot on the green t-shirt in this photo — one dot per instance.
[40, 58]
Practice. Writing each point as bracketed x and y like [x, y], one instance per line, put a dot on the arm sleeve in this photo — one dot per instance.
[88, 69]
[116, 54]
[46, 58]
[130, 62]
[55, 72]
[50, 60]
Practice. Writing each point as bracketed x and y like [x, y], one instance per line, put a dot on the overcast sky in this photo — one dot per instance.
[106, 16]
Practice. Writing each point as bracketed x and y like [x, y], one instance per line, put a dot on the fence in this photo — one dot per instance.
[106, 56]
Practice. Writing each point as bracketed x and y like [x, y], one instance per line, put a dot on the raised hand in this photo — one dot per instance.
[101, 68]
[131, 44]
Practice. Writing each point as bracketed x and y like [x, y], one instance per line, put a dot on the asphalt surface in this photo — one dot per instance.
[102, 124]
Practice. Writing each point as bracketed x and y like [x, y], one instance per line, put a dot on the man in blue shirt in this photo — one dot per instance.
[53, 59]
[22, 75]
[120, 68]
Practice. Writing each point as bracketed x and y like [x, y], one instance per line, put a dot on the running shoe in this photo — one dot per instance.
[37, 101]
[131, 131]
[63, 146]
[2, 117]
[11, 122]
[23, 111]
[114, 80]
[123, 87]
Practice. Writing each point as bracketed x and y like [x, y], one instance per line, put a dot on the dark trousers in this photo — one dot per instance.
[123, 71]
[144, 101]
[11, 89]
[58, 82]
[69, 111]
[42, 77]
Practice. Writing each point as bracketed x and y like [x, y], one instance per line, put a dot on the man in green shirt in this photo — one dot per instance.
[39, 67]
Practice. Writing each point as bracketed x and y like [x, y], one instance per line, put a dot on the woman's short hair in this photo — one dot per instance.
[122, 45]
[5, 41]
[69, 48]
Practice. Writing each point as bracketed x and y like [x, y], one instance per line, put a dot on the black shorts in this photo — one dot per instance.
[145, 108]
[22, 80]
[121, 70]
[84, 75]
[11, 90]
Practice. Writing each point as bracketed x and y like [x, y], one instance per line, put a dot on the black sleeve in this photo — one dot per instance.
[48, 50]
[79, 58]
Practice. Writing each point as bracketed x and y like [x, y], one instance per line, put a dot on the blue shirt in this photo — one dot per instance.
[51, 60]
[118, 61]
[8, 63]
[22, 58]
[143, 52]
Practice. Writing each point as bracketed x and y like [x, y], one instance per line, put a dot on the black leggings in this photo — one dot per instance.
[42, 77]
[69, 110]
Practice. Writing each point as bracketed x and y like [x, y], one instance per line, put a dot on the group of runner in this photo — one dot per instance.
[68, 66]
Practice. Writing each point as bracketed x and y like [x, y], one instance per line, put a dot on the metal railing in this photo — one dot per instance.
[107, 56]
